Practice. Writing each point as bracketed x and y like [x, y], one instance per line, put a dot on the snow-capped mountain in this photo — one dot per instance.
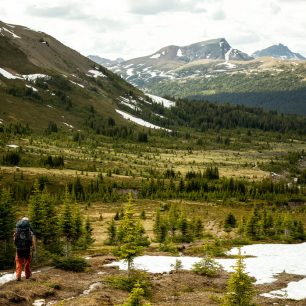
[164, 63]
[212, 49]
[279, 51]
[214, 71]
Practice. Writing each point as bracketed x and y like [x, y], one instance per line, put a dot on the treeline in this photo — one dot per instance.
[208, 186]
[204, 115]
[194, 186]
[98, 189]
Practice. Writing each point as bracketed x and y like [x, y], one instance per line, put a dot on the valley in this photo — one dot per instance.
[106, 171]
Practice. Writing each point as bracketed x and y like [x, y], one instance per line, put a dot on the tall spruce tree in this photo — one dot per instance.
[50, 221]
[240, 289]
[7, 224]
[66, 222]
[131, 238]
[36, 211]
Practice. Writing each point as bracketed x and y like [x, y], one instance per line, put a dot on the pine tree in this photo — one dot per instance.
[66, 223]
[131, 237]
[240, 289]
[230, 221]
[7, 224]
[112, 233]
[36, 211]
[198, 228]
[77, 223]
[89, 240]
[135, 298]
[50, 221]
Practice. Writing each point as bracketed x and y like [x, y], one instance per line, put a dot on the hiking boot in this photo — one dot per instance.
[18, 279]
[27, 277]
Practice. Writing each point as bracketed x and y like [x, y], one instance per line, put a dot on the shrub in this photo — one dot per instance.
[207, 266]
[214, 250]
[177, 266]
[75, 264]
[168, 246]
[128, 281]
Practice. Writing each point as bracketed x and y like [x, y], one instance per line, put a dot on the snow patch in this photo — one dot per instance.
[157, 55]
[96, 73]
[139, 121]
[129, 71]
[130, 102]
[35, 76]
[8, 277]
[227, 54]
[69, 125]
[8, 75]
[159, 100]
[77, 84]
[12, 146]
[12, 33]
[33, 88]
[179, 53]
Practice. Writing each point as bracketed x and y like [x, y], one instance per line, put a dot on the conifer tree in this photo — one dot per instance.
[230, 221]
[7, 224]
[88, 233]
[112, 233]
[36, 211]
[135, 298]
[131, 237]
[240, 289]
[198, 228]
[77, 222]
[66, 221]
[50, 220]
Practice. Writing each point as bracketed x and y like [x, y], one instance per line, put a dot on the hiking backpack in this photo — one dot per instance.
[23, 235]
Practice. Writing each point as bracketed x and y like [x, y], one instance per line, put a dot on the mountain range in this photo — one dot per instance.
[44, 84]
[273, 78]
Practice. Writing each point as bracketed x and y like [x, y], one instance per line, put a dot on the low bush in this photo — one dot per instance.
[75, 264]
[128, 282]
[207, 266]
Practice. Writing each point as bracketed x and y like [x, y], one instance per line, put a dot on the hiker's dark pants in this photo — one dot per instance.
[23, 257]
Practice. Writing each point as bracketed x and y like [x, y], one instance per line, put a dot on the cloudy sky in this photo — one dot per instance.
[132, 28]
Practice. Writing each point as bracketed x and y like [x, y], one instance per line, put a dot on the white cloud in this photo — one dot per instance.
[152, 7]
[131, 28]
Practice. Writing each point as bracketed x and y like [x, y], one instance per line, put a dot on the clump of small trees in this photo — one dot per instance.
[266, 223]
[172, 225]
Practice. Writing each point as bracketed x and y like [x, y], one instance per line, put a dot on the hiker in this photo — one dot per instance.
[24, 240]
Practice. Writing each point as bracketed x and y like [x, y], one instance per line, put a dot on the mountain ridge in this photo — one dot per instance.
[213, 70]
[278, 51]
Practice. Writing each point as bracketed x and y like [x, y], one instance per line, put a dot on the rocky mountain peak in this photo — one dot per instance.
[278, 51]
